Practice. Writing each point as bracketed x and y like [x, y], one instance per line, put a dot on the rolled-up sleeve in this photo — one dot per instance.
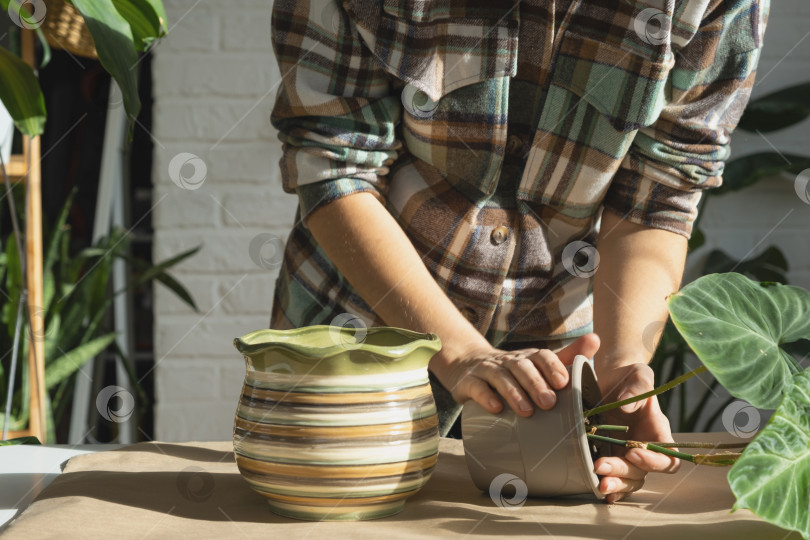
[335, 112]
[670, 163]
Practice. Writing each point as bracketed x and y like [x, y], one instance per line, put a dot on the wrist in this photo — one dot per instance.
[609, 361]
[453, 354]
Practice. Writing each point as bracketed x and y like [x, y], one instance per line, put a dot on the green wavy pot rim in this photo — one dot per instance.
[322, 341]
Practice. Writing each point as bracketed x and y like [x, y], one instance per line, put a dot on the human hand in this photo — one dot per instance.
[625, 472]
[523, 377]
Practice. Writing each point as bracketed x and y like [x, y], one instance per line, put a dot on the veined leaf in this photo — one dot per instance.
[736, 325]
[21, 95]
[113, 37]
[772, 478]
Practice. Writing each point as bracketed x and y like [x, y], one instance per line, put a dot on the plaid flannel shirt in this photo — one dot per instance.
[496, 134]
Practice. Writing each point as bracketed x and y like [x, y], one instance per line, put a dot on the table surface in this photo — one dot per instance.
[25, 470]
[168, 490]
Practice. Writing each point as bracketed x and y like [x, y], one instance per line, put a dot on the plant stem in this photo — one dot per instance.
[701, 445]
[663, 388]
[716, 460]
[649, 446]
[607, 427]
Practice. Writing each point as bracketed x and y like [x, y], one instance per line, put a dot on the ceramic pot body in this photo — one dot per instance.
[548, 451]
[336, 423]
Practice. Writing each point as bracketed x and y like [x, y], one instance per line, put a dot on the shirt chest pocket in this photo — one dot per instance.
[452, 61]
[463, 134]
[600, 95]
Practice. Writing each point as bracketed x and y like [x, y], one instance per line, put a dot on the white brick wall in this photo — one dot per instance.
[214, 89]
[215, 80]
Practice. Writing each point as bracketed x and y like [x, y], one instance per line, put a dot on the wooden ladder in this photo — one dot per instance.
[27, 168]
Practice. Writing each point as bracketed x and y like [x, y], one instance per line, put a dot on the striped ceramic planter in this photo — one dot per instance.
[336, 423]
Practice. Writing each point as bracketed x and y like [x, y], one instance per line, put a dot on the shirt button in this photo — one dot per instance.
[469, 314]
[499, 235]
[514, 146]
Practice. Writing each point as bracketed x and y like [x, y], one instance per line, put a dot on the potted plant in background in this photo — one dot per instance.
[772, 112]
[117, 31]
[737, 327]
[75, 315]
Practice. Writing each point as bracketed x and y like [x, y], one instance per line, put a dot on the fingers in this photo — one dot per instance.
[614, 466]
[552, 368]
[586, 345]
[481, 393]
[619, 478]
[523, 377]
[489, 379]
[525, 372]
[649, 461]
[617, 488]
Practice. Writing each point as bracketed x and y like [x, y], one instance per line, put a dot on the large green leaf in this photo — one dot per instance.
[68, 363]
[772, 478]
[114, 41]
[20, 93]
[736, 325]
[748, 170]
[777, 110]
[144, 21]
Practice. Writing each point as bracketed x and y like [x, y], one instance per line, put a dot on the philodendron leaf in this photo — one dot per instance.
[772, 478]
[736, 325]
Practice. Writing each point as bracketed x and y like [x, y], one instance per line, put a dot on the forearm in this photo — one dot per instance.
[639, 268]
[371, 250]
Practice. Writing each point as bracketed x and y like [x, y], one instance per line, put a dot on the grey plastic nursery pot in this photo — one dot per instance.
[549, 451]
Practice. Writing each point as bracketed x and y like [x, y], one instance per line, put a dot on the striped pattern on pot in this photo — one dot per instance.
[334, 445]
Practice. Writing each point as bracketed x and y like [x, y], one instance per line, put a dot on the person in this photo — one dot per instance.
[519, 178]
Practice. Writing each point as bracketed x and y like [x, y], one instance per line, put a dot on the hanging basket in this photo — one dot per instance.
[64, 28]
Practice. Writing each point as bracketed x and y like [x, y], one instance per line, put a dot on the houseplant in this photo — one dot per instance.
[76, 306]
[772, 112]
[738, 327]
[120, 29]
